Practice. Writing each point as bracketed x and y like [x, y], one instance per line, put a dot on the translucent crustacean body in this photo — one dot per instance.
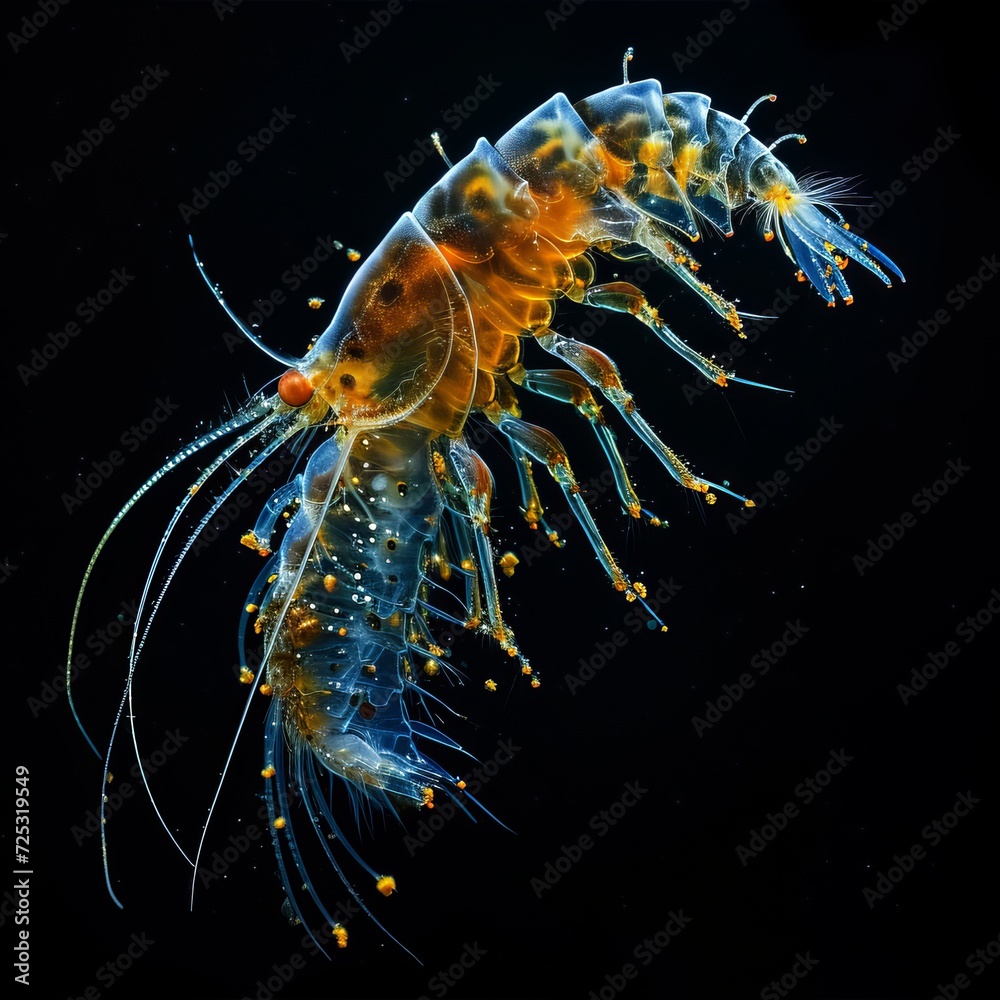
[389, 519]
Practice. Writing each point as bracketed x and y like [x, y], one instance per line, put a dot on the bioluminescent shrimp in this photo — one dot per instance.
[385, 527]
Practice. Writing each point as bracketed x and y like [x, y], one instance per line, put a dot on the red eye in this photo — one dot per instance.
[294, 388]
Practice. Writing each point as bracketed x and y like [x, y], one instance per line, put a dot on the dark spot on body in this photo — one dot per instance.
[389, 292]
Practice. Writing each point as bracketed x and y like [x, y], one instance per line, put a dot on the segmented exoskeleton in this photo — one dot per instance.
[392, 507]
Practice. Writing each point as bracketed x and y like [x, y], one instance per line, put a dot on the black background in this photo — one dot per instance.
[164, 339]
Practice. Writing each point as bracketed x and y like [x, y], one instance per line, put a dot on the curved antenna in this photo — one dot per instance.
[212, 436]
[757, 103]
[126, 698]
[139, 642]
[284, 359]
[797, 136]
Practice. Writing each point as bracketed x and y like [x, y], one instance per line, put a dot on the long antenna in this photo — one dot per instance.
[285, 359]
